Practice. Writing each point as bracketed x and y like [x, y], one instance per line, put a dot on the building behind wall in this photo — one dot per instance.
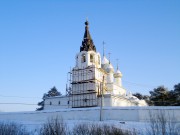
[91, 78]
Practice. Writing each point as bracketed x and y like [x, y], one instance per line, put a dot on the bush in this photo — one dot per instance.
[54, 126]
[162, 124]
[95, 129]
[12, 129]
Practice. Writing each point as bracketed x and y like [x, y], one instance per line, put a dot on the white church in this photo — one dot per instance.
[93, 82]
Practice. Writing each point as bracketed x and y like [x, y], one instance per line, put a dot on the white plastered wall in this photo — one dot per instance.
[80, 64]
[135, 114]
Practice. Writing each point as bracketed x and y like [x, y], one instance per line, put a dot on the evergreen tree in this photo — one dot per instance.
[143, 97]
[51, 93]
[138, 95]
[171, 101]
[159, 96]
[147, 99]
[177, 94]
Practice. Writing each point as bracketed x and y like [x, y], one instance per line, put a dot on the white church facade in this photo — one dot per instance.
[93, 82]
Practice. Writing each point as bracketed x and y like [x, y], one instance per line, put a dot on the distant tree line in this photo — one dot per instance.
[161, 96]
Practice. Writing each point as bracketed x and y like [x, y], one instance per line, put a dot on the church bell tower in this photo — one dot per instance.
[86, 75]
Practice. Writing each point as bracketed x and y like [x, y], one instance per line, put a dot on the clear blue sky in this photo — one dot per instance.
[40, 38]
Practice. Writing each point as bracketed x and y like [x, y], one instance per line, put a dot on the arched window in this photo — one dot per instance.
[59, 102]
[50, 103]
[91, 58]
[83, 58]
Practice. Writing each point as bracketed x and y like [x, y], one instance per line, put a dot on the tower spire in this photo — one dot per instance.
[87, 43]
[117, 64]
[103, 49]
[109, 57]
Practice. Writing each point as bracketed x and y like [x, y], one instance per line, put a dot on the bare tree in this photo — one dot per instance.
[97, 129]
[54, 126]
[161, 123]
[12, 129]
[81, 129]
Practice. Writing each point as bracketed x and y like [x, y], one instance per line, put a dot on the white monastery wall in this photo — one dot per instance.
[109, 113]
[57, 103]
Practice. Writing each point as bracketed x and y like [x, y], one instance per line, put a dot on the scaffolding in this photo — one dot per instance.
[84, 87]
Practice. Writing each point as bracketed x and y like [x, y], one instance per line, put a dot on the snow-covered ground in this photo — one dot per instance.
[122, 117]
[140, 127]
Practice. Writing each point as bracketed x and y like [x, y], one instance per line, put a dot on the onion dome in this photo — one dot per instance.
[110, 68]
[105, 61]
[118, 74]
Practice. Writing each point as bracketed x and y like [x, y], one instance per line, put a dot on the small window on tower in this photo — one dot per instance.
[91, 58]
[83, 58]
[50, 103]
[59, 102]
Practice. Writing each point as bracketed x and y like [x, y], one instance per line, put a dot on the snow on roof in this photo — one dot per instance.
[105, 60]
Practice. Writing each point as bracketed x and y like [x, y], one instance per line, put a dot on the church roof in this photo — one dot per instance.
[110, 68]
[105, 61]
[87, 43]
[118, 73]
